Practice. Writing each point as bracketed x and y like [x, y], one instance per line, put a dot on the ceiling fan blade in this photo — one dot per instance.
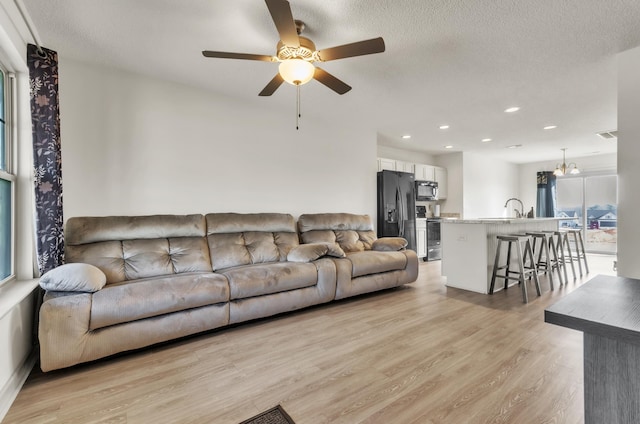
[272, 86]
[283, 18]
[330, 81]
[247, 56]
[375, 45]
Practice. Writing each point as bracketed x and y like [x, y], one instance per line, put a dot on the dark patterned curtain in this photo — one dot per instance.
[45, 121]
[546, 199]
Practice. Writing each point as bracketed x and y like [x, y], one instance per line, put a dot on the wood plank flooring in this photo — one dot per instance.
[422, 353]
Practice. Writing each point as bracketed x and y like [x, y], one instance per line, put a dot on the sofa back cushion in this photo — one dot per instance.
[243, 239]
[133, 247]
[354, 233]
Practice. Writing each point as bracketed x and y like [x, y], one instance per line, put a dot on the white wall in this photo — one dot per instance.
[588, 165]
[453, 163]
[488, 183]
[628, 163]
[405, 155]
[134, 145]
[17, 344]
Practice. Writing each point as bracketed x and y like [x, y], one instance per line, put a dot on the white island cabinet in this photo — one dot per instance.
[469, 248]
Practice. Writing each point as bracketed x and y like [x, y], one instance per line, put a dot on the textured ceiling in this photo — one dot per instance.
[454, 62]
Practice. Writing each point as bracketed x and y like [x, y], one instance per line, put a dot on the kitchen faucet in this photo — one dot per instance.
[520, 213]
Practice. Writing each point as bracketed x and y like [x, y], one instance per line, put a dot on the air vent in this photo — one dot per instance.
[607, 135]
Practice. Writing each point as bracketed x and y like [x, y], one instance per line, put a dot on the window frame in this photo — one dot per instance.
[8, 174]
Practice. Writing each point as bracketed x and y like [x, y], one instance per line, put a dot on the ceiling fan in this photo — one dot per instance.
[297, 54]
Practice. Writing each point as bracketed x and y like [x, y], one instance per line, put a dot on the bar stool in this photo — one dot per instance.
[563, 247]
[568, 252]
[581, 255]
[551, 260]
[523, 250]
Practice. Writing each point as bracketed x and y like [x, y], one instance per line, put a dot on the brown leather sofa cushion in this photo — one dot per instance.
[365, 263]
[134, 300]
[130, 248]
[243, 239]
[261, 279]
[353, 233]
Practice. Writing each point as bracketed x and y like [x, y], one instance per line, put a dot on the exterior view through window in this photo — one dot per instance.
[6, 185]
[593, 201]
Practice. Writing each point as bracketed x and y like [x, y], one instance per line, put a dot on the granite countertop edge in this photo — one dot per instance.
[499, 220]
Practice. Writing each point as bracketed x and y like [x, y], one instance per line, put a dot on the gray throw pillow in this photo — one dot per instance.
[76, 277]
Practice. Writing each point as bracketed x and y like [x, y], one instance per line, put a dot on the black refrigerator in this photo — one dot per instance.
[397, 206]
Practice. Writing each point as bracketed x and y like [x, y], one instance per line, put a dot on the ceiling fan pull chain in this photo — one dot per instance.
[298, 116]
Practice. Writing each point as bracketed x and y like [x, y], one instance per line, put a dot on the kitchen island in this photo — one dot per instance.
[469, 248]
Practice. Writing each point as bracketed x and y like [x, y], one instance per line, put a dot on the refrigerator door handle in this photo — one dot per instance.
[400, 212]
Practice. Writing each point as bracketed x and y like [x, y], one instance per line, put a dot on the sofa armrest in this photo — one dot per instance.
[63, 330]
[75, 277]
[307, 252]
[389, 244]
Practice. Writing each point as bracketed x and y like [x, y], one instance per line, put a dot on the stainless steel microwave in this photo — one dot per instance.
[426, 190]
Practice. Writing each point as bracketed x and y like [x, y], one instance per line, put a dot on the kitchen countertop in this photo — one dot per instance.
[469, 248]
[499, 220]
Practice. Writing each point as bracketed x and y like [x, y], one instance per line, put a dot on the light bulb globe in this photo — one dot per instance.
[296, 71]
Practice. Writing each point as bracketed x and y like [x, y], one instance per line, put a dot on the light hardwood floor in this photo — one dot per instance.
[421, 353]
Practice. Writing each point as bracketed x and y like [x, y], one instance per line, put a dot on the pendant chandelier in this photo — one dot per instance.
[563, 169]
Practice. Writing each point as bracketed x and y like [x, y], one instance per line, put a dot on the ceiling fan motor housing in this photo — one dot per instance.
[306, 51]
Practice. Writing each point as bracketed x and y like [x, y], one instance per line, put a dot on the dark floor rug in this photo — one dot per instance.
[275, 415]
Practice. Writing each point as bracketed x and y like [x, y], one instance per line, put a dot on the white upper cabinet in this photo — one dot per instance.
[440, 176]
[386, 164]
[421, 171]
[395, 165]
[404, 166]
[424, 172]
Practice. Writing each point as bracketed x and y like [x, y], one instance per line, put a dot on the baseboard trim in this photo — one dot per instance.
[12, 388]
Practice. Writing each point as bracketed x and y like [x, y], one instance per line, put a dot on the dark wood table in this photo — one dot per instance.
[607, 310]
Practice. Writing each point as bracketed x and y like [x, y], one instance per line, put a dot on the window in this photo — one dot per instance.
[592, 199]
[7, 181]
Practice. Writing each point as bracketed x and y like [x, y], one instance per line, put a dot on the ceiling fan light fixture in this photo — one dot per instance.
[296, 71]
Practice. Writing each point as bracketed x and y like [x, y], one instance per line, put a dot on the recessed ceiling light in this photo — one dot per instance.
[448, 146]
[485, 140]
[550, 127]
[514, 146]
[406, 137]
[512, 109]
[444, 127]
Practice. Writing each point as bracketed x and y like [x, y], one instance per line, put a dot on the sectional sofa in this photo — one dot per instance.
[130, 282]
